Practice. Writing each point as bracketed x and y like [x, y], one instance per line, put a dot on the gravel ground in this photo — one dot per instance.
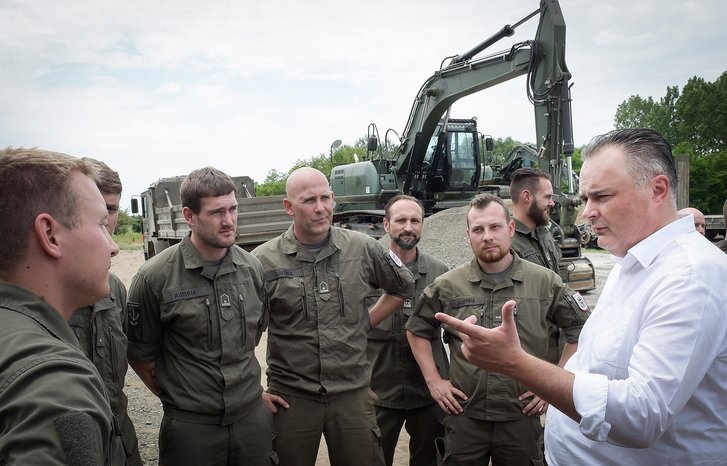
[444, 237]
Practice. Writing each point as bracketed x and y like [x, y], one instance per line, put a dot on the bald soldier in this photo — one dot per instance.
[317, 278]
[699, 221]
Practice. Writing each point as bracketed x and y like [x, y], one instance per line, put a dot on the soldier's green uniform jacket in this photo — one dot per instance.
[100, 332]
[464, 291]
[51, 395]
[537, 246]
[318, 313]
[201, 325]
[396, 377]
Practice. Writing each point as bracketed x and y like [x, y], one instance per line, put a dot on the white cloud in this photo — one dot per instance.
[159, 88]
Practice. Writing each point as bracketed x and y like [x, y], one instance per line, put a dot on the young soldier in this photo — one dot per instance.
[648, 384]
[404, 398]
[101, 328]
[487, 418]
[55, 257]
[196, 312]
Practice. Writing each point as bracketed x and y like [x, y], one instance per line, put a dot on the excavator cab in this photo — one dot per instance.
[452, 159]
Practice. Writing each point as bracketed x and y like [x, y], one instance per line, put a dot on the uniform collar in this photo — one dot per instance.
[520, 227]
[18, 299]
[291, 245]
[192, 259]
[477, 275]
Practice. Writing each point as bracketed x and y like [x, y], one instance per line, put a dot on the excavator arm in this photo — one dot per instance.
[542, 59]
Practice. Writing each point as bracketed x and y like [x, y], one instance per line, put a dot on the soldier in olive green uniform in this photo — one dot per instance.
[491, 417]
[318, 277]
[100, 328]
[196, 311]
[403, 394]
[536, 245]
[55, 258]
[532, 198]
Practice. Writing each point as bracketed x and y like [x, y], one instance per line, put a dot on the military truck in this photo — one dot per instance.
[258, 218]
[714, 227]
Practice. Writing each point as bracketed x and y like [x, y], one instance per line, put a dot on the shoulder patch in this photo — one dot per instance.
[395, 258]
[580, 301]
[132, 310]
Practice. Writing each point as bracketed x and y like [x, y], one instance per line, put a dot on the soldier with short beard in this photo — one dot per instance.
[404, 398]
[487, 415]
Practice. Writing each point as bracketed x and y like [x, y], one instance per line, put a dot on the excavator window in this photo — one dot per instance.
[462, 151]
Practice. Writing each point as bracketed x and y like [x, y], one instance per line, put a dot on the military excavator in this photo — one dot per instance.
[439, 158]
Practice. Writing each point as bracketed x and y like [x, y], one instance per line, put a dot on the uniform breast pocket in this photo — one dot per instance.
[192, 318]
[241, 309]
[291, 303]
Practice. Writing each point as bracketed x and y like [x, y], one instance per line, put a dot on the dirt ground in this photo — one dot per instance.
[145, 409]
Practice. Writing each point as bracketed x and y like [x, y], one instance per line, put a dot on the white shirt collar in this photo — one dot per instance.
[645, 251]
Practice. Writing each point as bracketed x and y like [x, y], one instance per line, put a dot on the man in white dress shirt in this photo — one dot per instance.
[648, 384]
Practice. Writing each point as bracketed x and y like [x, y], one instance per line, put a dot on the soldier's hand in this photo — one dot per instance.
[444, 393]
[536, 406]
[273, 401]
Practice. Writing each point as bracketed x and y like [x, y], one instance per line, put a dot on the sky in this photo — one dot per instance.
[159, 88]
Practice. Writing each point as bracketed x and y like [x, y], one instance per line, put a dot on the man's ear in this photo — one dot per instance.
[46, 229]
[188, 216]
[288, 206]
[660, 187]
[526, 195]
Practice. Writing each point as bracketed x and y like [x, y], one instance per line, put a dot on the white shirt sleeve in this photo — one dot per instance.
[650, 362]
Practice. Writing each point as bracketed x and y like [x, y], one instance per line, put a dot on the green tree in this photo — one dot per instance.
[702, 110]
[501, 147]
[124, 223]
[635, 112]
[707, 182]
[274, 184]
[660, 116]
[694, 122]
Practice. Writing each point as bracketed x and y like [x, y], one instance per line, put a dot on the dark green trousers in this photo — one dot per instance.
[247, 442]
[423, 425]
[347, 421]
[470, 441]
